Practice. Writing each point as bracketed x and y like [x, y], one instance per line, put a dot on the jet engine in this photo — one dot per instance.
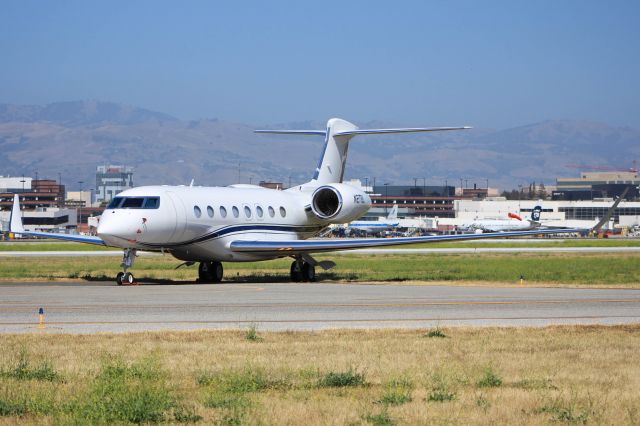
[339, 203]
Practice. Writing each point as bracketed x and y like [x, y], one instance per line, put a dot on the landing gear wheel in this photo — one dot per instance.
[210, 272]
[128, 278]
[296, 273]
[119, 278]
[216, 271]
[308, 272]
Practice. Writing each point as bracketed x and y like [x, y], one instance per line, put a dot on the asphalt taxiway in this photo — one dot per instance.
[79, 307]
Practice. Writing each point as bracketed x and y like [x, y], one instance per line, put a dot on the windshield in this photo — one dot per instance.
[134, 203]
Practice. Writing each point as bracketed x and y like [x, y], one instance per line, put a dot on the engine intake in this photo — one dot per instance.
[326, 202]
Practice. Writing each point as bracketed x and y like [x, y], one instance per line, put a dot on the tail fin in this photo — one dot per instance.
[15, 221]
[339, 132]
[393, 214]
[535, 214]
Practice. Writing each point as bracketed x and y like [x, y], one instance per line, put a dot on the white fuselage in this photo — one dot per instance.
[373, 227]
[199, 223]
[499, 225]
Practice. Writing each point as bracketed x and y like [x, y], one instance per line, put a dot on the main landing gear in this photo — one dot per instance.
[126, 278]
[302, 271]
[210, 272]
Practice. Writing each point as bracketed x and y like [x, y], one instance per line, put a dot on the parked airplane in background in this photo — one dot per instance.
[376, 226]
[242, 223]
[513, 223]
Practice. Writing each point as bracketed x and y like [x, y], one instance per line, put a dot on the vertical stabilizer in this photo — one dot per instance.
[393, 214]
[15, 221]
[331, 165]
[535, 214]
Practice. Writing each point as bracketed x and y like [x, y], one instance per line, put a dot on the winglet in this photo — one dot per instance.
[15, 221]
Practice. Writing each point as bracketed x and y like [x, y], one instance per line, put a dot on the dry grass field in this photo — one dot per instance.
[553, 375]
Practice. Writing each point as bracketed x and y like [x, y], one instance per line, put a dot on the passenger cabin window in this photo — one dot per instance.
[134, 203]
[272, 212]
[283, 212]
[223, 211]
[196, 211]
[210, 211]
[235, 211]
[247, 212]
[259, 211]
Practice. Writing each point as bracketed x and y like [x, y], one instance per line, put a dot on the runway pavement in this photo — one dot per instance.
[103, 307]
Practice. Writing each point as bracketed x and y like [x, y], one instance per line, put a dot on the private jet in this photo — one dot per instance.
[245, 223]
[513, 223]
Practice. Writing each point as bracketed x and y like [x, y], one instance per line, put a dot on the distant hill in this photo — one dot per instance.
[72, 138]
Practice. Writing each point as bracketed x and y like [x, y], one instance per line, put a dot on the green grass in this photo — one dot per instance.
[565, 268]
[36, 245]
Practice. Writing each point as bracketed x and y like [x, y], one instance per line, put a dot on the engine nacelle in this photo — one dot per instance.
[339, 203]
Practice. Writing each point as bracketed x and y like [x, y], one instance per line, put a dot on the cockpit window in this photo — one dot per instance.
[115, 203]
[152, 202]
[134, 203]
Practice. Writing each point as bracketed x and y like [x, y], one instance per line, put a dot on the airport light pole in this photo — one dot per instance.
[386, 197]
[80, 207]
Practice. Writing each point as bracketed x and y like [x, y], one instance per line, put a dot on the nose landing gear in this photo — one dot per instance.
[210, 272]
[126, 278]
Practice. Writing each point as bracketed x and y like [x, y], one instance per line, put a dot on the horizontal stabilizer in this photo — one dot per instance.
[293, 132]
[401, 130]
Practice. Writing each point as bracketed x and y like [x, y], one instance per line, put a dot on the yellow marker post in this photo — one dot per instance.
[521, 280]
[41, 312]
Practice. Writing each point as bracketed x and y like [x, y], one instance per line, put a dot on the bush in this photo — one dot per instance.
[436, 332]
[341, 379]
[397, 392]
[381, 419]
[490, 379]
[252, 334]
[25, 371]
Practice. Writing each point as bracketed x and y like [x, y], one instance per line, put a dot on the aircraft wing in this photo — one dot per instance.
[15, 227]
[318, 246]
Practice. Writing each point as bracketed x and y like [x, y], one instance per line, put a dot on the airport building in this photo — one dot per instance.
[592, 185]
[112, 180]
[42, 203]
[566, 213]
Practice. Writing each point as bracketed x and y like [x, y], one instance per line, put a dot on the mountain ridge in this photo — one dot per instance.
[74, 137]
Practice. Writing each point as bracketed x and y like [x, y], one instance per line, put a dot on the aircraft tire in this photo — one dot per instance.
[205, 272]
[308, 272]
[295, 273]
[216, 271]
[128, 278]
[119, 278]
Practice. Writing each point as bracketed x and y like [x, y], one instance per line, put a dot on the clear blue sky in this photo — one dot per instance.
[484, 63]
